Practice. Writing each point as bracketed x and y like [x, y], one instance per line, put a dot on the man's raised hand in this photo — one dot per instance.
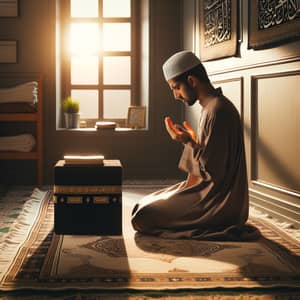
[170, 127]
[178, 133]
[190, 130]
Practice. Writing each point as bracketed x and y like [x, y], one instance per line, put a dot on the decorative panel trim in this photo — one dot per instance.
[254, 134]
[8, 52]
[9, 8]
[276, 207]
[275, 62]
[240, 79]
[276, 188]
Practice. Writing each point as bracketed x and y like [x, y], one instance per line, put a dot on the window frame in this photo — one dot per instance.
[64, 24]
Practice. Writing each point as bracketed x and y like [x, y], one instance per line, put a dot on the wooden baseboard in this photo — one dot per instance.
[278, 208]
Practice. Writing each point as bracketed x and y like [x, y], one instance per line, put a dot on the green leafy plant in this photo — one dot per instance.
[70, 105]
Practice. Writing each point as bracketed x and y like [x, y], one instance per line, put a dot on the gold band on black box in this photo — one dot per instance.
[87, 189]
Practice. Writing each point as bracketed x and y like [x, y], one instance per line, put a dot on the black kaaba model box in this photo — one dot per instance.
[88, 198]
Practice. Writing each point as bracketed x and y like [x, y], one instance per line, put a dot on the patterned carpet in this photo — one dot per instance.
[10, 210]
[139, 265]
[148, 295]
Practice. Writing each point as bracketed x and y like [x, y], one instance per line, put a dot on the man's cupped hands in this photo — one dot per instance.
[183, 134]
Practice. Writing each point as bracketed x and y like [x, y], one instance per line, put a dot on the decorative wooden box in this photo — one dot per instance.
[88, 198]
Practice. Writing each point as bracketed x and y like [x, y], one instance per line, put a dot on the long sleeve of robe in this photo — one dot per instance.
[216, 206]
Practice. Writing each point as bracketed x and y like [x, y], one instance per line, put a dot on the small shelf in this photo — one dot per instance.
[18, 155]
[37, 118]
[17, 117]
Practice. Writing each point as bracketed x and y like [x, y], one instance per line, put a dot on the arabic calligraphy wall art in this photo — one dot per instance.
[273, 22]
[218, 29]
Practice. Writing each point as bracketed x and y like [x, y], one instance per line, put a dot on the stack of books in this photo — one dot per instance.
[83, 159]
[105, 125]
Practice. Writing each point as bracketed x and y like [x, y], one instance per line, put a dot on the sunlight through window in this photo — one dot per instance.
[88, 100]
[120, 63]
[116, 99]
[84, 70]
[116, 8]
[84, 39]
[100, 53]
[84, 8]
[116, 36]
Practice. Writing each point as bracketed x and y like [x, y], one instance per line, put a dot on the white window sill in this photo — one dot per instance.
[105, 131]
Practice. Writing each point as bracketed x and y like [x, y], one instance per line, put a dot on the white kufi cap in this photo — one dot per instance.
[179, 63]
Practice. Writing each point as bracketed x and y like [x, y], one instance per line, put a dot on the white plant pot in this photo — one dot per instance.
[72, 120]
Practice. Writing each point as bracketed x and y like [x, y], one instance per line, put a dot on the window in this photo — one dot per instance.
[98, 45]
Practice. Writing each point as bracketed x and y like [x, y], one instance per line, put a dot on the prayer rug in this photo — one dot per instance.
[149, 295]
[10, 210]
[45, 261]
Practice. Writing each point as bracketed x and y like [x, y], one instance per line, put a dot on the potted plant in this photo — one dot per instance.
[71, 111]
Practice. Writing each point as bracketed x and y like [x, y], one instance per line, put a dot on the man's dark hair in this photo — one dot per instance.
[198, 71]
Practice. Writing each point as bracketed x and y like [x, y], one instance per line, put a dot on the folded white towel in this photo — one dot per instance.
[21, 143]
[26, 92]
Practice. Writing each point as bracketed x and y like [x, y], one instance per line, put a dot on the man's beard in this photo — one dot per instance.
[191, 96]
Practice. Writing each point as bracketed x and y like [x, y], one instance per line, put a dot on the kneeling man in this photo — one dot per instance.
[212, 203]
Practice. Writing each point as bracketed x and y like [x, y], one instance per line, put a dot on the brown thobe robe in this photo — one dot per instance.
[215, 206]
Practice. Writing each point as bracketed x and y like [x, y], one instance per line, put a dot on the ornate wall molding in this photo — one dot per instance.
[290, 181]
[255, 65]
[240, 81]
[276, 207]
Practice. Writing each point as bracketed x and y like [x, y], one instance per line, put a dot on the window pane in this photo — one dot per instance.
[116, 36]
[88, 100]
[84, 70]
[84, 38]
[119, 63]
[116, 103]
[116, 8]
[84, 8]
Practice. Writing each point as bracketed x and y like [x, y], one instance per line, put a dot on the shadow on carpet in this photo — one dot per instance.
[46, 261]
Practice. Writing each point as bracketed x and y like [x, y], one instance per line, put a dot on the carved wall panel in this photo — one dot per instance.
[233, 89]
[273, 22]
[218, 28]
[275, 131]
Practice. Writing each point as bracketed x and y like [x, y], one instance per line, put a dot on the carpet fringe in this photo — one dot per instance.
[285, 226]
[21, 228]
